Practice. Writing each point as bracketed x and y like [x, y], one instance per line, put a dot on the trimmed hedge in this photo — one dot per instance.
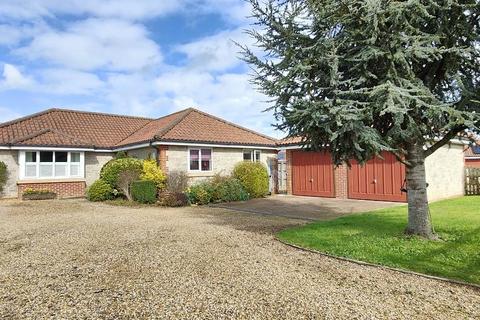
[100, 191]
[112, 169]
[254, 178]
[3, 175]
[144, 191]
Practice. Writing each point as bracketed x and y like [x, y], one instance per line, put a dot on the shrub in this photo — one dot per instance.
[173, 199]
[177, 181]
[3, 175]
[100, 191]
[112, 169]
[33, 194]
[201, 193]
[152, 172]
[228, 189]
[254, 178]
[144, 191]
[125, 180]
[218, 189]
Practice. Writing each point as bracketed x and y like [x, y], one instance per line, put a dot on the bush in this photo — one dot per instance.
[152, 172]
[144, 191]
[173, 199]
[228, 189]
[125, 180]
[177, 181]
[100, 191]
[218, 189]
[254, 178]
[201, 193]
[3, 175]
[111, 170]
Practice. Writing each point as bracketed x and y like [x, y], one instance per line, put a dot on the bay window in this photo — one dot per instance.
[51, 164]
[200, 160]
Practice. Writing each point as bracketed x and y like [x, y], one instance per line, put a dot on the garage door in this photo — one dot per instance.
[312, 174]
[378, 179]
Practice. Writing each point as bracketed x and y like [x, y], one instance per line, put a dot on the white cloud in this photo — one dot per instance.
[13, 78]
[66, 82]
[96, 44]
[215, 53]
[125, 9]
[229, 95]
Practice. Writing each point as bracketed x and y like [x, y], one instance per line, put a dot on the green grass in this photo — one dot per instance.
[377, 237]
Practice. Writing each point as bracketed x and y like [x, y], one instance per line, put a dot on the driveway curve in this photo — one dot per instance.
[73, 259]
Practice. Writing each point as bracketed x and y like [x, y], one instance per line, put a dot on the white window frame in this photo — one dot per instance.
[200, 160]
[253, 155]
[81, 164]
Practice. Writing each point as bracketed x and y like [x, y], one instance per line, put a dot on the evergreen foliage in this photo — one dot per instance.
[254, 178]
[361, 77]
[144, 191]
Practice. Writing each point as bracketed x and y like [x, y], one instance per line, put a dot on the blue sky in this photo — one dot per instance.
[144, 57]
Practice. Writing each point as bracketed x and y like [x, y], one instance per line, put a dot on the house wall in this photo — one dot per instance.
[94, 161]
[143, 153]
[446, 172]
[10, 158]
[223, 161]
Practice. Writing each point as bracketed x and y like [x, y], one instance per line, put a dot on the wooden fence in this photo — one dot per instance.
[472, 181]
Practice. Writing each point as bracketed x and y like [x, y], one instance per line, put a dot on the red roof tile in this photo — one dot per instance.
[68, 128]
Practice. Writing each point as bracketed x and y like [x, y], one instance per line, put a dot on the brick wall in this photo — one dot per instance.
[162, 158]
[341, 182]
[63, 189]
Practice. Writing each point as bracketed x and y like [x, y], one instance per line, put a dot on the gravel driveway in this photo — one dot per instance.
[73, 259]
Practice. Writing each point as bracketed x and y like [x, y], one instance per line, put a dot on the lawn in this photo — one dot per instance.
[377, 237]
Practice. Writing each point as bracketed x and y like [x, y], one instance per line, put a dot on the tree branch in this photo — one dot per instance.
[446, 138]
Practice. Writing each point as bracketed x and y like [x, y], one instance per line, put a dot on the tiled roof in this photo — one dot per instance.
[469, 152]
[197, 126]
[290, 141]
[68, 128]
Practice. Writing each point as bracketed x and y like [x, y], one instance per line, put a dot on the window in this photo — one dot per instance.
[282, 155]
[251, 155]
[200, 159]
[51, 164]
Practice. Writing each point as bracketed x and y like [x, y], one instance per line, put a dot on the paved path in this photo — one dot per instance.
[77, 260]
[306, 208]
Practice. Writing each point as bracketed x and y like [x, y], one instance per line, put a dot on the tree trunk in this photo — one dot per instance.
[419, 222]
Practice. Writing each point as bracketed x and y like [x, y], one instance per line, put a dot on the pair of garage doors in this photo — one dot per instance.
[379, 179]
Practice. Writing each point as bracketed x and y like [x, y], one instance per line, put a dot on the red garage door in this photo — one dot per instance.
[378, 179]
[312, 174]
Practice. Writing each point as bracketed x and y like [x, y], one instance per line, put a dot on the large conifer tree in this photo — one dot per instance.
[359, 77]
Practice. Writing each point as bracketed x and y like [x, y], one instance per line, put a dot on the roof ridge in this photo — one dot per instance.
[101, 113]
[233, 124]
[172, 125]
[31, 116]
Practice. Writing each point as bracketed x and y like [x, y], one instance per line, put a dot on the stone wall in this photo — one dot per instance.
[94, 162]
[223, 161]
[446, 172]
[10, 158]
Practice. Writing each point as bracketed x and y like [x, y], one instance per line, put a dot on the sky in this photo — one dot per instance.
[143, 58]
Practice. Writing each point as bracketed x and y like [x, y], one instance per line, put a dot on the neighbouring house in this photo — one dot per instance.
[472, 156]
[63, 150]
[314, 174]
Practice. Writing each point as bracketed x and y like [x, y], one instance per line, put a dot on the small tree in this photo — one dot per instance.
[3, 176]
[361, 77]
[125, 180]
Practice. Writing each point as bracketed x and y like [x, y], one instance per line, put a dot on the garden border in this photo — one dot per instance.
[368, 264]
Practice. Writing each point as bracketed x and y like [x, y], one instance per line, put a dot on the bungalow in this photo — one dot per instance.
[64, 150]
